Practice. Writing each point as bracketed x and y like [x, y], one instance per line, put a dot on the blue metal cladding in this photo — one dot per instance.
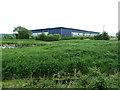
[44, 30]
[83, 31]
[63, 31]
[79, 31]
[55, 31]
[36, 31]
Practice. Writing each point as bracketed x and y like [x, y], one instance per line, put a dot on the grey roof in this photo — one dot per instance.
[65, 28]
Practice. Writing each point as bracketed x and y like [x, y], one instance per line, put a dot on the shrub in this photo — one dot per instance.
[86, 37]
[8, 37]
[79, 37]
[82, 37]
[32, 37]
[105, 36]
[91, 37]
[94, 71]
[36, 37]
[73, 37]
[57, 37]
[48, 37]
[66, 38]
[41, 36]
[98, 37]
[52, 59]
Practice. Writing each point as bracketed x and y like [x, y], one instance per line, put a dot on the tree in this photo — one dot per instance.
[105, 36]
[41, 36]
[118, 35]
[98, 37]
[50, 37]
[23, 33]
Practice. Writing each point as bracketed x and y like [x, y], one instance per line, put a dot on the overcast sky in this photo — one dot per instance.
[88, 15]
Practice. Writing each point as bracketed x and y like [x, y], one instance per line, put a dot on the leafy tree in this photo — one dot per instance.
[98, 37]
[118, 35]
[105, 36]
[23, 33]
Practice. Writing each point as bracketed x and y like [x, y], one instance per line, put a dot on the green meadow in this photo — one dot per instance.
[60, 64]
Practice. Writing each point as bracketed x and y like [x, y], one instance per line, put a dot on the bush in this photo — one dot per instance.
[49, 38]
[73, 37]
[103, 36]
[8, 37]
[98, 37]
[66, 38]
[43, 37]
[57, 37]
[82, 37]
[91, 37]
[32, 37]
[36, 37]
[94, 71]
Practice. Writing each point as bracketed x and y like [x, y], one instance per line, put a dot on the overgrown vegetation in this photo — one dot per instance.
[22, 32]
[103, 36]
[18, 43]
[72, 62]
[99, 81]
[56, 37]
[73, 37]
[93, 62]
[9, 37]
[49, 37]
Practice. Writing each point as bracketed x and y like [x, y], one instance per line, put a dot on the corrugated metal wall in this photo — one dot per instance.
[55, 31]
[64, 31]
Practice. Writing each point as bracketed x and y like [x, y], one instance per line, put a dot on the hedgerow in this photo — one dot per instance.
[50, 37]
[9, 37]
[73, 37]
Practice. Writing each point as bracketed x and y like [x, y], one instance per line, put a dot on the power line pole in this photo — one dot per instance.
[103, 28]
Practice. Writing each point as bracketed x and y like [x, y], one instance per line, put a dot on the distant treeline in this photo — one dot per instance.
[57, 37]
[23, 33]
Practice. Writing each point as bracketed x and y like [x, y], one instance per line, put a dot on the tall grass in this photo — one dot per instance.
[66, 55]
[24, 42]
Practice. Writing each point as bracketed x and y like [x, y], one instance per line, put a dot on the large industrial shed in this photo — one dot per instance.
[64, 31]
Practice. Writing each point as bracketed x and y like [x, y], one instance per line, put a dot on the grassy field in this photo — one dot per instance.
[23, 42]
[85, 64]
